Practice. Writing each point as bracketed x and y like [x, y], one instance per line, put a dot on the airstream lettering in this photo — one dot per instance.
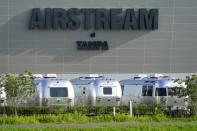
[99, 18]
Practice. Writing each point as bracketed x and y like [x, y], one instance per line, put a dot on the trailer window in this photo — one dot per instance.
[122, 87]
[107, 91]
[160, 92]
[144, 90]
[59, 92]
[147, 90]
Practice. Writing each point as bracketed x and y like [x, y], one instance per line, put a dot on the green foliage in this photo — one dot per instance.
[19, 85]
[145, 110]
[12, 110]
[79, 118]
[191, 90]
[37, 115]
[138, 110]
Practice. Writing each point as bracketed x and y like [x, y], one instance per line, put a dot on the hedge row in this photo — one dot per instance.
[138, 110]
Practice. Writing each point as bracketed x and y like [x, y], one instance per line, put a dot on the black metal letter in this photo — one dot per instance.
[48, 18]
[102, 19]
[116, 18]
[59, 18]
[74, 21]
[36, 20]
[87, 17]
[148, 19]
[130, 20]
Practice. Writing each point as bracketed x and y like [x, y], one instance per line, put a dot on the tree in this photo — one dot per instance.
[18, 87]
[190, 91]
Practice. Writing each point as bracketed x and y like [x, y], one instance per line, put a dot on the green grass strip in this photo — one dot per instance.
[79, 118]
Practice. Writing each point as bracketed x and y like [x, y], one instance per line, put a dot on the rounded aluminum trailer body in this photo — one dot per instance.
[82, 89]
[105, 93]
[160, 93]
[132, 90]
[151, 90]
[38, 91]
[54, 92]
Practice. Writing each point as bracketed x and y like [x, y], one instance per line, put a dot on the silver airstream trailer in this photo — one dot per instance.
[50, 91]
[165, 93]
[105, 92]
[95, 90]
[136, 89]
[82, 89]
[153, 89]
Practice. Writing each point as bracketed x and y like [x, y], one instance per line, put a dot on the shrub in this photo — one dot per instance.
[138, 110]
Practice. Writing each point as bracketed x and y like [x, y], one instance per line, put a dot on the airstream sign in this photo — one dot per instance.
[99, 18]
[90, 18]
